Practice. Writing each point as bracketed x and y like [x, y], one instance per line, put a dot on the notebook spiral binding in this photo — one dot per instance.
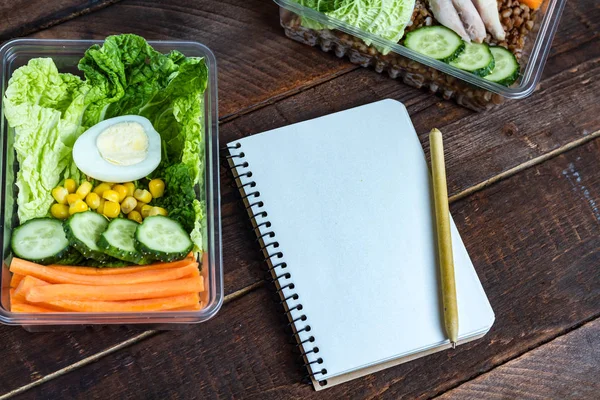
[234, 162]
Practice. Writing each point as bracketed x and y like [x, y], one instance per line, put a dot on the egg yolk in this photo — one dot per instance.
[125, 143]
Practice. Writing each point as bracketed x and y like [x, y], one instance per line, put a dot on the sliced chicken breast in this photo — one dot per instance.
[471, 20]
[488, 10]
[445, 13]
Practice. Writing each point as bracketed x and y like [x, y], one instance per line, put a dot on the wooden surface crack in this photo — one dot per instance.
[520, 354]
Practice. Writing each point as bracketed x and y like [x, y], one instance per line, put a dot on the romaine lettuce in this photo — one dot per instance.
[44, 107]
[384, 18]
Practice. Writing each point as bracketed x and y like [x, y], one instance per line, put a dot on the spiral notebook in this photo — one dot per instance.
[343, 208]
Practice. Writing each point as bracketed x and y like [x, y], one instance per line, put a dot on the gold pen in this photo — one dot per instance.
[442, 216]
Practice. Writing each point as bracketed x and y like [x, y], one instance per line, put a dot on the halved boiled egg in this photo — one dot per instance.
[119, 149]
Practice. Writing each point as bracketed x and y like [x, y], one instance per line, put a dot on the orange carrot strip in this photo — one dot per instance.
[137, 291]
[158, 304]
[119, 271]
[54, 276]
[28, 308]
[15, 280]
[27, 283]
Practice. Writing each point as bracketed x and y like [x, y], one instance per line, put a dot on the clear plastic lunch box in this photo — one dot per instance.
[466, 89]
[66, 54]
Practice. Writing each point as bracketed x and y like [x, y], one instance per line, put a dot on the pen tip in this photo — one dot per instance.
[453, 344]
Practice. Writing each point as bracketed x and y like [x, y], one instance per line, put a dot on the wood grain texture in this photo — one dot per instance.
[566, 368]
[256, 62]
[537, 256]
[20, 17]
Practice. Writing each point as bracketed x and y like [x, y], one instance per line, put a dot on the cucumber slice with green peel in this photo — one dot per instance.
[506, 68]
[70, 257]
[437, 42]
[119, 241]
[163, 239]
[476, 58]
[83, 231]
[41, 240]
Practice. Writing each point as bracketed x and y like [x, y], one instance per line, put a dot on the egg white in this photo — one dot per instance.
[88, 159]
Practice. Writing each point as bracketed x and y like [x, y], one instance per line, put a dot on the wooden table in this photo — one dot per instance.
[524, 182]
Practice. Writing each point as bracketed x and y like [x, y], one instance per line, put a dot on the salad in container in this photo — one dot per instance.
[477, 52]
[110, 199]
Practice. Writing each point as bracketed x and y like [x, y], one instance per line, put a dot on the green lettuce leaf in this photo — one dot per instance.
[384, 18]
[45, 109]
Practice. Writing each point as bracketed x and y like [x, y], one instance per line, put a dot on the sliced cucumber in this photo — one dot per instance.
[119, 241]
[506, 68]
[436, 42]
[42, 240]
[111, 262]
[84, 230]
[476, 58]
[71, 257]
[163, 239]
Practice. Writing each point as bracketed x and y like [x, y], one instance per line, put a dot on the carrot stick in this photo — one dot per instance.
[27, 283]
[54, 276]
[119, 271]
[158, 304]
[15, 280]
[137, 291]
[28, 308]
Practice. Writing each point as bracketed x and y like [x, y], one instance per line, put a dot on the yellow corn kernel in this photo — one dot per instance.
[128, 204]
[121, 191]
[139, 206]
[142, 195]
[92, 200]
[70, 185]
[100, 209]
[136, 216]
[60, 194]
[60, 211]
[77, 207]
[146, 210]
[157, 211]
[101, 188]
[111, 209]
[130, 188]
[111, 195]
[72, 198]
[84, 189]
[157, 188]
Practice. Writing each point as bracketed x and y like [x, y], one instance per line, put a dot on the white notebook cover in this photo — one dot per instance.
[349, 199]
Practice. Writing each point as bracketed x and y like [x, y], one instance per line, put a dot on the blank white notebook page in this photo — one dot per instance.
[348, 196]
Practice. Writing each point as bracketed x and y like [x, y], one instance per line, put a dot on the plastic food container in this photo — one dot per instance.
[466, 89]
[66, 54]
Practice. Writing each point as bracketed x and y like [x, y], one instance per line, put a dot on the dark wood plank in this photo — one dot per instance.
[533, 239]
[31, 356]
[566, 368]
[256, 62]
[20, 17]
